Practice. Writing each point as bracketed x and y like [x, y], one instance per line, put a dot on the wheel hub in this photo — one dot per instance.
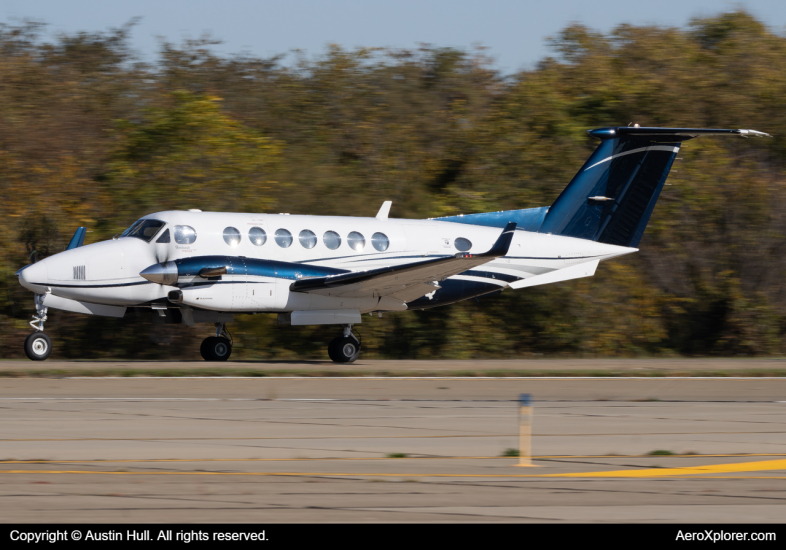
[39, 346]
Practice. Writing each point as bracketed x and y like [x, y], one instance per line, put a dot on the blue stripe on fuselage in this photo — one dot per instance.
[241, 265]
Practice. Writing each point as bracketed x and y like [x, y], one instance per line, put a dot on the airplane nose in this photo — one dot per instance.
[163, 274]
[33, 277]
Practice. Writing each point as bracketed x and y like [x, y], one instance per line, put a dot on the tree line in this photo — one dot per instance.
[90, 135]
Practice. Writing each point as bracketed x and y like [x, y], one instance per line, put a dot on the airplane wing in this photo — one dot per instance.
[405, 282]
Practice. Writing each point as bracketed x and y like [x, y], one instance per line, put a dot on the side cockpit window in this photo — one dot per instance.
[185, 234]
[164, 238]
[131, 228]
[144, 229]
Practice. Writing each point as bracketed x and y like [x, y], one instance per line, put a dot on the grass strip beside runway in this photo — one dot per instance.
[371, 373]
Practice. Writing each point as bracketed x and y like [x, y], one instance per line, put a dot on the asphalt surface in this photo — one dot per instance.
[391, 450]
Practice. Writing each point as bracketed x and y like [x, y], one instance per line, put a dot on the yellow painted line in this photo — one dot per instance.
[646, 473]
[331, 474]
[687, 470]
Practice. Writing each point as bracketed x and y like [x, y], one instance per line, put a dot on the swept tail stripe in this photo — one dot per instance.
[669, 148]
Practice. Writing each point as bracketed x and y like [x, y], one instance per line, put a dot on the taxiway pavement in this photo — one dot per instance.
[391, 450]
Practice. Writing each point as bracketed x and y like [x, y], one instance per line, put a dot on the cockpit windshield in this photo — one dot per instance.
[144, 229]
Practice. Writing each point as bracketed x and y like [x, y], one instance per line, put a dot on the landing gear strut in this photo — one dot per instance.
[218, 347]
[38, 346]
[346, 348]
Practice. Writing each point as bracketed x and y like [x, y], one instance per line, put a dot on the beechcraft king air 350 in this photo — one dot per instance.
[197, 267]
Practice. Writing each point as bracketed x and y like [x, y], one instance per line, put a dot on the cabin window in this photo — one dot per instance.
[356, 241]
[462, 244]
[231, 236]
[185, 234]
[307, 239]
[283, 238]
[144, 229]
[164, 238]
[380, 241]
[257, 236]
[331, 239]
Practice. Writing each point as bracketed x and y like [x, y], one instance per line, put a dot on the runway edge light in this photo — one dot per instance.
[525, 430]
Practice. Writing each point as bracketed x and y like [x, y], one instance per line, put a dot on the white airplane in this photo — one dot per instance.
[205, 267]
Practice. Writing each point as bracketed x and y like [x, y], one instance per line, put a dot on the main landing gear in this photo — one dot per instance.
[38, 346]
[218, 347]
[346, 348]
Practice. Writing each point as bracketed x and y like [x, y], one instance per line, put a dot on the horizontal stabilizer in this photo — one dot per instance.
[611, 198]
[573, 272]
[682, 134]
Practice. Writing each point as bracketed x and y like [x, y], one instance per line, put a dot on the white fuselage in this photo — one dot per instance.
[108, 272]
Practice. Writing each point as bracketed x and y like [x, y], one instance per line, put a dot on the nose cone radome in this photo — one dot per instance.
[163, 274]
[34, 277]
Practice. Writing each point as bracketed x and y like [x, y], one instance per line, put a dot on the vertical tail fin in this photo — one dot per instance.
[612, 197]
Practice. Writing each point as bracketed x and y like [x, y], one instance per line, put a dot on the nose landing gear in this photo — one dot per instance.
[38, 346]
[218, 347]
[346, 348]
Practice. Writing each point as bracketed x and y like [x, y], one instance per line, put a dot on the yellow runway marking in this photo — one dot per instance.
[646, 473]
[686, 470]
[359, 458]
[333, 474]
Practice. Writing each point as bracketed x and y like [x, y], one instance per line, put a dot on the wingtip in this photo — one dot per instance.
[753, 133]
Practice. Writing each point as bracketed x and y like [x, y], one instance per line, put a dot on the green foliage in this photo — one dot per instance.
[511, 452]
[90, 136]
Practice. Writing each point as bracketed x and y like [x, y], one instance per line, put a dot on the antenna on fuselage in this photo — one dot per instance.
[384, 210]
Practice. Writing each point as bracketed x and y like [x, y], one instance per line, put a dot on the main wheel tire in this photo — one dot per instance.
[204, 348]
[215, 348]
[332, 350]
[344, 350]
[38, 346]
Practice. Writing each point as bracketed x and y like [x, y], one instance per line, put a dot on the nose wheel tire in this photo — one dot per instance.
[344, 349]
[38, 346]
[215, 348]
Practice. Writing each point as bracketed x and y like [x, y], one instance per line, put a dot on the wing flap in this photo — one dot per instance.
[407, 281]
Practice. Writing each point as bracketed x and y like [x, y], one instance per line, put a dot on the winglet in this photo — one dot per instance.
[384, 210]
[500, 247]
[78, 239]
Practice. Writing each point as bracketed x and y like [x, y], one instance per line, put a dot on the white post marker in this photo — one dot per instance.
[525, 430]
